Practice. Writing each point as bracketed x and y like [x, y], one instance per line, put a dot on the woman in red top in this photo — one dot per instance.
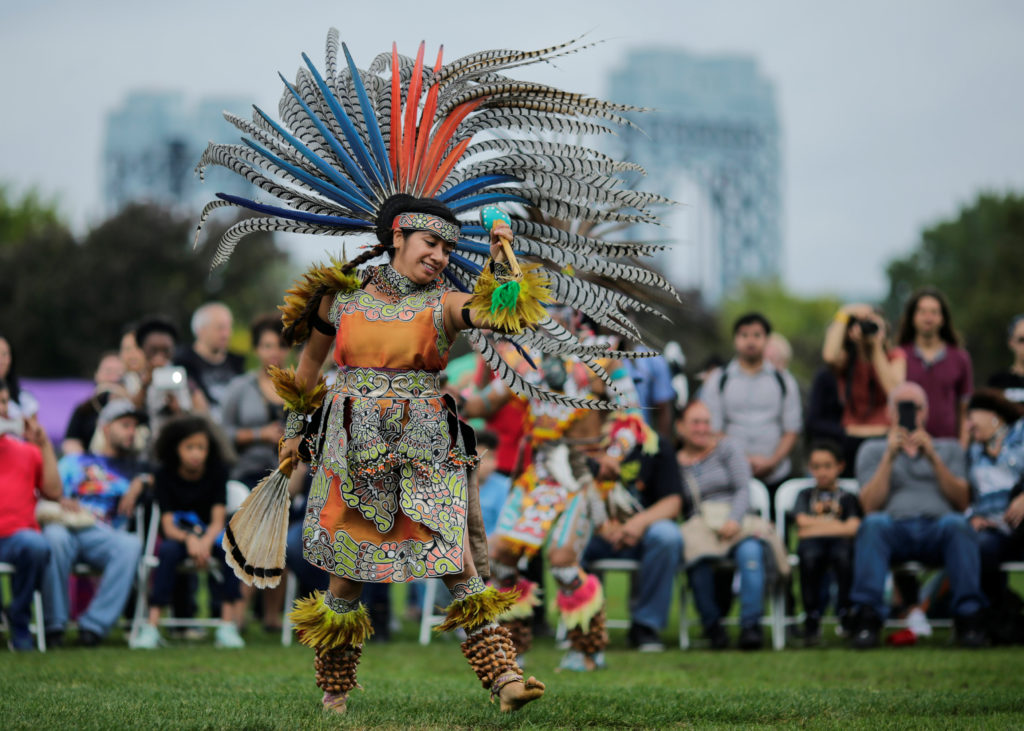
[857, 349]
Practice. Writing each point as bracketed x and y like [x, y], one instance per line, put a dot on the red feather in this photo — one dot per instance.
[442, 173]
[412, 103]
[426, 123]
[395, 138]
[444, 135]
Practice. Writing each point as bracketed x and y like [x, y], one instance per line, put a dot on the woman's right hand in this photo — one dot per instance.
[289, 448]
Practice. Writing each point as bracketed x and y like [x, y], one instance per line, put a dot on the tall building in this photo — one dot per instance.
[712, 144]
[153, 142]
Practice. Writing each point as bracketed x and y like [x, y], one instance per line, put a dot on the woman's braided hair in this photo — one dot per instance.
[393, 206]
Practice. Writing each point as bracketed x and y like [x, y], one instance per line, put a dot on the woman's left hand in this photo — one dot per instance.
[499, 233]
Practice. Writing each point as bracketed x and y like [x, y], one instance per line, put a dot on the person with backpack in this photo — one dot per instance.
[756, 404]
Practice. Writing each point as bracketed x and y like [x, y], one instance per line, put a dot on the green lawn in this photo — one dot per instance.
[265, 685]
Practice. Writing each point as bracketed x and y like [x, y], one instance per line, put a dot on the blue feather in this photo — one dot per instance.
[351, 134]
[473, 185]
[317, 218]
[477, 248]
[339, 150]
[372, 125]
[331, 191]
[486, 198]
[455, 280]
[475, 230]
[464, 263]
[522, 352]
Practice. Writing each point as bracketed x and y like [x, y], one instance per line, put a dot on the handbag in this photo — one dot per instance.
[701, 537]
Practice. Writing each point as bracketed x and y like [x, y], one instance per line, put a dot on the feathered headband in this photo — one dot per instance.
[464, 134]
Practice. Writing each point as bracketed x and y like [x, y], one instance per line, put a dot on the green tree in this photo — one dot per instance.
[69, 302]
[975, 259]
[801, 319]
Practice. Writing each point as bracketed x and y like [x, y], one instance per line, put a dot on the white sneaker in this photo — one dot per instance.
[148, 638]
[227, 637]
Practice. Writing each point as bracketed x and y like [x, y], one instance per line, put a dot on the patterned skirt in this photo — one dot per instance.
[388, 500]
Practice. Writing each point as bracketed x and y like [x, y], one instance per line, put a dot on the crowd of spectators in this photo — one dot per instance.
[905, 460]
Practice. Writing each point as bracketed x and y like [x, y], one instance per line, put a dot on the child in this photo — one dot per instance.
[191, 494]
[827, 519]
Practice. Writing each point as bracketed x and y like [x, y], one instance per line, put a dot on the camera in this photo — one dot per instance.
[867, 327]
[169, 378]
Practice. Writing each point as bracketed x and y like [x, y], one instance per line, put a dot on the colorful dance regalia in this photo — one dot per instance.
[389, 498]
[393, 150]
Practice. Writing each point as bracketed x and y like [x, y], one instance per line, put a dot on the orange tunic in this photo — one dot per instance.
[389, 496]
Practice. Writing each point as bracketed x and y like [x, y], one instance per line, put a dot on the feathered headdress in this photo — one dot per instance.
[349, 139]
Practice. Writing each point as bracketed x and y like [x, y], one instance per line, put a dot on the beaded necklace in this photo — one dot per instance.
[394, 286]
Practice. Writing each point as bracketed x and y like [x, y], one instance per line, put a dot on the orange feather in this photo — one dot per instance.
[426, 122]
[412, 103]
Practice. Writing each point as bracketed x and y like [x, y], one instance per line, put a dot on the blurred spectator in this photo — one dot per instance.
[165, 391]
[133, 360]
[650, 533]
[827, 519]
[716, 471]
[494, 486]
[191, 494]
[208, 362]
[653, 381]
[310, 578]
[755, 403]
[253, 413]
[913, 491]
[21, 403]
[82, 425]
[106, 486]
[935, 361]
[824, 409]
[778, 351]
[995, 470]
[25, 467]
[856, 348]
[1011, 381]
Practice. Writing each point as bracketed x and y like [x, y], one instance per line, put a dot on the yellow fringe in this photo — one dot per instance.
[478, 609]
[523, 608]
[581, 617]
[330, 277]
[317, 625]
[295, 399]
[529, 310]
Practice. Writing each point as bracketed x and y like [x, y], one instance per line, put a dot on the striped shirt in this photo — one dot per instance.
[722, 476]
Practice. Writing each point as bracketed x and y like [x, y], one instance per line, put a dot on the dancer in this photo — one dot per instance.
[392, 497]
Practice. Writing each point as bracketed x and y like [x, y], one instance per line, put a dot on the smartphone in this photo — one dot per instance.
[169, 378]
[906, 412]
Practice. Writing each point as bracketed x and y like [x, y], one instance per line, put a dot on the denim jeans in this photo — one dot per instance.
[29, 553]
[493, 492]
[949, 541]
[114, 552]
[749, 557]
[171, 554]
[659, 553]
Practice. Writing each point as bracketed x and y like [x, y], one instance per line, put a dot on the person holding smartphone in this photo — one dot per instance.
[914, 491]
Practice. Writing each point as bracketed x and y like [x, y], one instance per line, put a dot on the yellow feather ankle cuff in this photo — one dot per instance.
[478, 609]
[319, 626]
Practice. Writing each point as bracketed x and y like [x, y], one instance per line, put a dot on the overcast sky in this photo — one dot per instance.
[894, 114]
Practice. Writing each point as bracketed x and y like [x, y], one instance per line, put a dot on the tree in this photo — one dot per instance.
[801, 319]
[73, 300]
[975, 259]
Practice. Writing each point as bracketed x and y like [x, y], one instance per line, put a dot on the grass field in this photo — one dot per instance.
[266, 686]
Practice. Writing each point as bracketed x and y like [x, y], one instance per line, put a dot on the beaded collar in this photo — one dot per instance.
[394, 286]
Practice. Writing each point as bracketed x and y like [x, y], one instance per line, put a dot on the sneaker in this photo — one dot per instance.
[970, 630]
[717, 636]
[573, 660]
[645, 639]
[751, 637]
[867, 628]
[21, 640]
[148, 638]
[227, 637]
[88, 638]
[54, 639]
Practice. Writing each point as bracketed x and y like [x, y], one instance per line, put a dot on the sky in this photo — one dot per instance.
[894, 113]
